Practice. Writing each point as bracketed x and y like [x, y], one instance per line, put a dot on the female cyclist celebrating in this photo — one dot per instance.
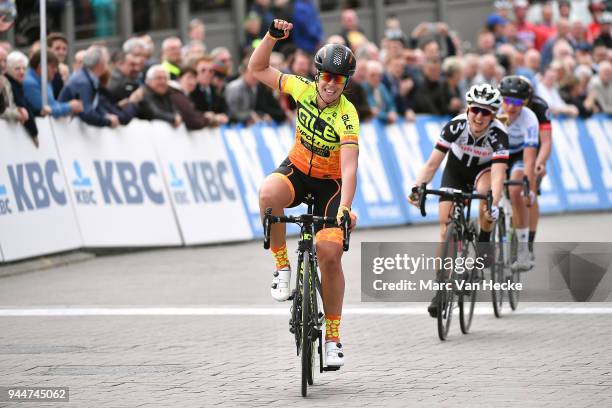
[322, 162]
[479, 151]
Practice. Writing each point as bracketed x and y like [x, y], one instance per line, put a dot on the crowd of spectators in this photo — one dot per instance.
[424, 71]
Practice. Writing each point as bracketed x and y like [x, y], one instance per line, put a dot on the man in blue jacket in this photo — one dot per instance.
[84, 85]
[33, 90]
[307, 28]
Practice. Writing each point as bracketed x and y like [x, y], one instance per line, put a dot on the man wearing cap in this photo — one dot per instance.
[497, 24]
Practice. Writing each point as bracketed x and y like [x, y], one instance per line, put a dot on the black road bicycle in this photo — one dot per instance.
[306, 318]
[460, 241]
[504, 241]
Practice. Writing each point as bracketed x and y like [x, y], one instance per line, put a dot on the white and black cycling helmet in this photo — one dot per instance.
[484, 95]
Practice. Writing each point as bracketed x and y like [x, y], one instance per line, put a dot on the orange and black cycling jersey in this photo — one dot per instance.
[337, 126]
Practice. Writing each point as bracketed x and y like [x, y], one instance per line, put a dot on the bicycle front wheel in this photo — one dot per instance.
[498, 264]
[467, 294]
[307, 329]
[446, 293]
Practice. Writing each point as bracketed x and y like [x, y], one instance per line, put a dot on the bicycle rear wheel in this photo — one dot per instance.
[446, 294]
[498, 266]
[307, 330]
[467, 296]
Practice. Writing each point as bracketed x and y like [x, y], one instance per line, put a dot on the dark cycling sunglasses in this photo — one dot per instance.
[513, 101]
[483, 111]
[335, 78]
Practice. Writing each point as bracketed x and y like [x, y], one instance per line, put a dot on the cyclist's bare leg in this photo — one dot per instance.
[483, 185]
[275, 193]
[520, 213]
[444, 216]
[534, 217]
[329, 255]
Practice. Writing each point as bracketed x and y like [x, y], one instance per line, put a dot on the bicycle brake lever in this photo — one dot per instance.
[422, 198]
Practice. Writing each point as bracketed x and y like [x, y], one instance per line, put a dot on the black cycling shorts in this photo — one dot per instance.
[457, 176]
[326, 192]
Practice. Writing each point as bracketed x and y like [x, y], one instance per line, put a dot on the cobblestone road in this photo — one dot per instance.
[543, 355]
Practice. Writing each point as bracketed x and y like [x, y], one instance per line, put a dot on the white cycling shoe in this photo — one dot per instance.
[280, 289]
[334, 355]
[523, 262]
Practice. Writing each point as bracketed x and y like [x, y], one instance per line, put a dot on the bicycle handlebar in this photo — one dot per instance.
[524, 182]
[270, 219]
[454, 195]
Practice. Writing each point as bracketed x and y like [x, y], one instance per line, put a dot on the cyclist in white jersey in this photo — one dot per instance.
[523, 126]
[479, 151]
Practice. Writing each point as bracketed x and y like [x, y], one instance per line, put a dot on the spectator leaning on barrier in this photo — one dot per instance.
[574, 93]
[427, 94]
[11, 111]
[547, 90]
[84, 85]
[179, 95]
[17, 63]
[205, 97]
[126, 109]
[356, 93]
[379, 98]
[249, 102]
[450, 101]
[156, 102]
[399, 85]
[171, 56]
[137, 49]
[124, 76]
[600, 87]
[58, 43]
[32, 87]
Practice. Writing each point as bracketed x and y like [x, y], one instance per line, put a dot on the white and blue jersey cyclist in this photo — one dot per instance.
[523, 128]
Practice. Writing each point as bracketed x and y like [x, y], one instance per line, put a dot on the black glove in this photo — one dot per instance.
[277, 33]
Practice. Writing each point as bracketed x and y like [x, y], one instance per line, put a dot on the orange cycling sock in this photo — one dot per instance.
[280, 257]
[332, 327]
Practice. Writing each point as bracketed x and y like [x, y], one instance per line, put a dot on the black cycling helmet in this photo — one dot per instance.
[336, 59]
[516, 86]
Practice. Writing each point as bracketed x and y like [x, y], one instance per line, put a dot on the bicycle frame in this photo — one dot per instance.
[306, 320]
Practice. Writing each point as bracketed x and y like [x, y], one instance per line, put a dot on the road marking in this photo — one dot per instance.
[68, 311]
